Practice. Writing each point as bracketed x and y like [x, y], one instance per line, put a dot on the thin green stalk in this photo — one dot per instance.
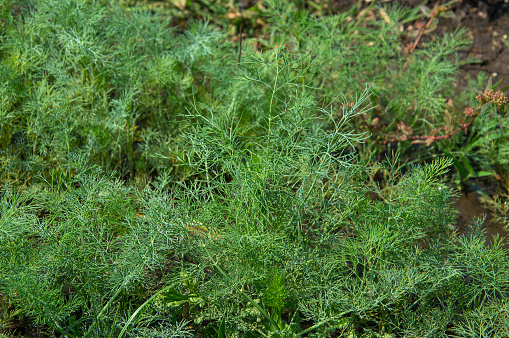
[316, 326]
[141, 308]
[303, 202]
[89, 284]
[255, 304]
[274, 90]
[114, 321]
[105, 308]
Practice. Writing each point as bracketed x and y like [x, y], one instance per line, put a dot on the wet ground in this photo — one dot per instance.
[469, 207]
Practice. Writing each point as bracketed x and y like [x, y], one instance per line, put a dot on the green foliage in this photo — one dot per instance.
[83, 76]
[166, 184]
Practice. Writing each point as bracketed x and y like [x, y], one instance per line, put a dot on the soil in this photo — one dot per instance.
[469, 208]
[487, 23]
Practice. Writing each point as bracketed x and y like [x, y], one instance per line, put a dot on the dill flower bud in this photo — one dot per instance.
[470, 112]
[499, 98]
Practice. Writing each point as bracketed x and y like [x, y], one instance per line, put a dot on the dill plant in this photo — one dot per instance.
[268, 224]
[358, 48]
[92, 77]
[286, 205]
[281, 216]
[125, 78]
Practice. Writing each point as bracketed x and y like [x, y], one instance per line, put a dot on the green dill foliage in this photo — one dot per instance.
[238, 207]
[275, 295]
[87, 250]
[98, 79]
[370, 47]
[111, 82]
[342, 255]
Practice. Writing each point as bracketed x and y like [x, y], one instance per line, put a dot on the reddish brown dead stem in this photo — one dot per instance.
[428, 139]
[422, 27]
[489, 96]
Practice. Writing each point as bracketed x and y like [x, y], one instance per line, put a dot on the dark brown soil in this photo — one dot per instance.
[487, 23]
[469, 207]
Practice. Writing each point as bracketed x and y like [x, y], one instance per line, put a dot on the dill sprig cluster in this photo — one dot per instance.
[160, 181]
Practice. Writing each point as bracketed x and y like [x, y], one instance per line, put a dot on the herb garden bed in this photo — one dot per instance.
[283, 169]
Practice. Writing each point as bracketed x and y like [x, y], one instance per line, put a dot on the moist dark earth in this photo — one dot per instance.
[488, 26]
[487, 23]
